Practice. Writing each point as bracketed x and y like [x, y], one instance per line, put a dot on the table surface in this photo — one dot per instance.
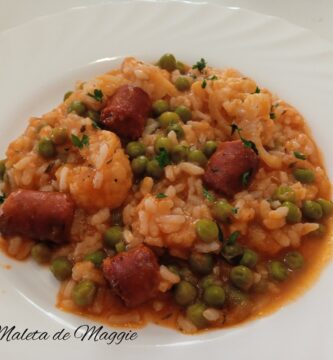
[314, 15]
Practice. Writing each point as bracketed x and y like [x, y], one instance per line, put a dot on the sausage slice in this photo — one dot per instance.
[231, 168]
[126, 112]
[133, 275]
[37, 214]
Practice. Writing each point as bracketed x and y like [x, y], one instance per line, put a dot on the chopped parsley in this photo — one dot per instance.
[247, 143]
[97, 95]
[272, 115]
[246, 178]
[204, 84]
[200, 65]
[213, 77]
[80, 143]
[95, 125]
[163, 158]
[160, 196]
[257, 90]
[208, 195]
[220, 236]
[2, 198]
[234, 210]
[233, 237]
[299, 155]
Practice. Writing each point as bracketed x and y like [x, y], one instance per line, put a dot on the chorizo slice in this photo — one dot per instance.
[133, 275]
[37, 214]
[231, 168]
[126, 112]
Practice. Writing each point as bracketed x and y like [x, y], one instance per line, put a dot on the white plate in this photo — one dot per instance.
[42, 59]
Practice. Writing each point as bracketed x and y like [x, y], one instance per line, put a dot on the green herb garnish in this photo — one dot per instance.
[160, 196]
[80, 143]
[233, 237]
[204, 84]
[299, 155]
[200, 65]
[208, 195]
[163, 158]
[257, 91]
[95, 125]
[246, 178]
[97, 95]
[272, 116]
[247, 143]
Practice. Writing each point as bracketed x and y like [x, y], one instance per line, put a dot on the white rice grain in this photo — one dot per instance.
[101, 157]
[168, 275]
[211, 314]
[191, 169]
[63, 178]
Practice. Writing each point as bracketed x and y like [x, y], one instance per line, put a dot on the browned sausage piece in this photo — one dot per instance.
[37, 214]
[126, 112]
[231, 168]
[133, 275]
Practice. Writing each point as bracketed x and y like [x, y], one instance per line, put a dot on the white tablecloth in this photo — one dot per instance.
[311, 14]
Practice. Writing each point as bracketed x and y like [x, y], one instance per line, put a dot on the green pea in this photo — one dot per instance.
[182, 83]
[117, 217]
[181, 67]
[59, 136]
[187, 275]
[294, 260]
[184, 113]
[135, 149]
[277, 270]
[326, 206]
[207, 281]
[46, 148]
[120, 247]
[222, 211]
[41, 253]
[2, 169]
[312, 210]
[185, 293]
[168, 118]
[113, 235]
[61, 268]
[201, 263]
[177, 128]
[159, 107]
[232, 253]
[214, 295]
[305, 176]
[162, 143]
[249, 258]
[96, 257]
[242, 277]
[139, 165]
[83, 293]
[195, 314]
[67, 95]
[209, 148]
[319, 232]
[167, 62]
[197, 157]
[235, 297]
[294, 214]
[154, 170]
[78, 107]
[94, 115]
[207, 230]
[178, 154]
[284, 193]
